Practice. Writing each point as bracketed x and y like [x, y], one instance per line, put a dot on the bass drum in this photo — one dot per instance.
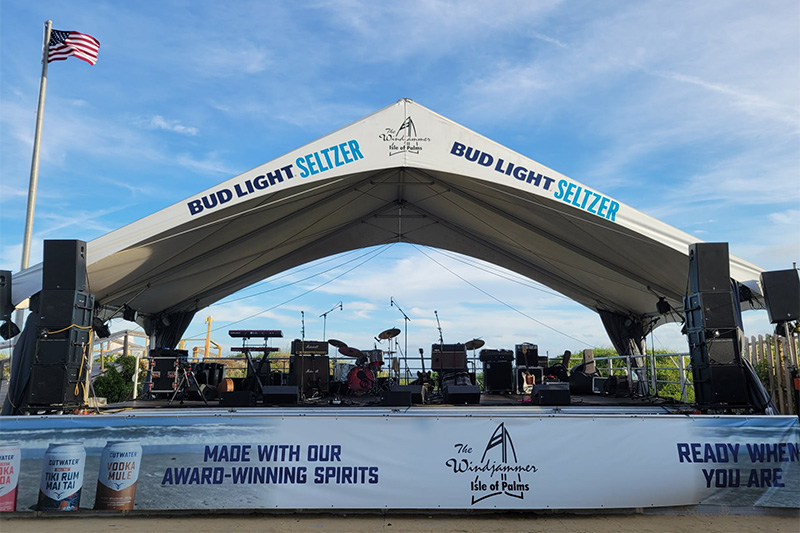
[360, 380]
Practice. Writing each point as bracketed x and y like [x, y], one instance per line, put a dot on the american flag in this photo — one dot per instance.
[72, 43]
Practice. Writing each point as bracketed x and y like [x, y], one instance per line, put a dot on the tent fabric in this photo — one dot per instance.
[402, 174]
[167, 329]
[22, 363]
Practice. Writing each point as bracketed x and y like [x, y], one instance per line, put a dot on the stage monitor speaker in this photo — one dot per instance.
[241, 398]
[64, 265]
[279, 395]
[709, 267]
[498, 377]
[417, 392]
[6, 307]
[782, 294]
[551, 394]
[462, 394]
[55, 386]
[59, 309]
[399, 398]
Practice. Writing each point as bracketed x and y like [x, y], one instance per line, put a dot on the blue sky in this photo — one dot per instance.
[687, 111]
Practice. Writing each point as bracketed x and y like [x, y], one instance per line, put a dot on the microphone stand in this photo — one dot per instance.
[393, 303]
[325, 318]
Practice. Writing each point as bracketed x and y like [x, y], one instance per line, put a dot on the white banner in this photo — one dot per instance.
[423, 459]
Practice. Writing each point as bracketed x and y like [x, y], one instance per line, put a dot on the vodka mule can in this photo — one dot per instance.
[9, 476]
[119, 471]
[62, 477]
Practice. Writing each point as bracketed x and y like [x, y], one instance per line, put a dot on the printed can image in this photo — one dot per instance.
[9, 476]
[62, 477]
[119, 472]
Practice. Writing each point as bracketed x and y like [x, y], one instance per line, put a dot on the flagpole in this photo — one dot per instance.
[37, 137]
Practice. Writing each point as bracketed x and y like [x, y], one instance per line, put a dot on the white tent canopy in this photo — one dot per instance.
[402, 174]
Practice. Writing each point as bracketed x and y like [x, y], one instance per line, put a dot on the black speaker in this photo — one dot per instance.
[399, 398]
[62, 351]
[498, 376]
[728, 385]
[55, 386]
[527, 354]
[718, 310]
[782, 294]
[723, 350]
[64, 265]
[551, 394]
[279, 395]
[709, 267]
[241, 398]
[59, 309]
[417, 392]
[310, 373]
[6, 307]
[462, 394]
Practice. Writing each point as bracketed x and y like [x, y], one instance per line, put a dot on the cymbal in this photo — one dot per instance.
[474, 344]
[389, 334]
[351, 352]
[337, 343]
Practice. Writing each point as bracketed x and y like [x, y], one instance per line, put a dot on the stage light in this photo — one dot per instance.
[100, 329]
[662, 306]
[129, 314]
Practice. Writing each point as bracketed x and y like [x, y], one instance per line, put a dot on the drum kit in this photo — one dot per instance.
[363, 377]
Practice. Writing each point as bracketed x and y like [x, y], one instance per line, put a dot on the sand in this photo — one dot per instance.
[484, 523]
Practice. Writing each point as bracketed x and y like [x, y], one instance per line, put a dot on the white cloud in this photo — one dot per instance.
[160, 123]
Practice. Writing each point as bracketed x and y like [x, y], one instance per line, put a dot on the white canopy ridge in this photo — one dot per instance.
[402, 174]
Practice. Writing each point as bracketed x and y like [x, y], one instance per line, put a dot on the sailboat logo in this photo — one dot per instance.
[404, 139]
[500, 452]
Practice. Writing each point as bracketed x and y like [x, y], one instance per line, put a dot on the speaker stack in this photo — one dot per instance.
[65, 319]
[712, 326]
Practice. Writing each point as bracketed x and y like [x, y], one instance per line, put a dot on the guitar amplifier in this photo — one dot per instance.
[309, 347]
[496, 356]
[448, 357]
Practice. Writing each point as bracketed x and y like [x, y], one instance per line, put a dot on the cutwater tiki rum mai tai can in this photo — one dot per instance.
[62, 477]
[9, 476]
[119, 471]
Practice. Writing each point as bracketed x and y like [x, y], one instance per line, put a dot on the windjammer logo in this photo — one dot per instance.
[403, 139]
[498, 472]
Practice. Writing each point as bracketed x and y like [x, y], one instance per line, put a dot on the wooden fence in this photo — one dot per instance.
[774, 359]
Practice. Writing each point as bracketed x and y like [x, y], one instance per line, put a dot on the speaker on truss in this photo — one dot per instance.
[782, 294]
[709, 267]
[64, 265]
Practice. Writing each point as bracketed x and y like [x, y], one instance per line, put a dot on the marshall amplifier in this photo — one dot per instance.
[309, 347]
[496, 356]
